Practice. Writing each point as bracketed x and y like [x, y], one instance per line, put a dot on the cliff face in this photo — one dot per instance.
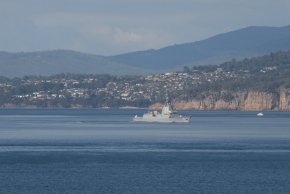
[259, 101]
[284, 101]
[247, 101]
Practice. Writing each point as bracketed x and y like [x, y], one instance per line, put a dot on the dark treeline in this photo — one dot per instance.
[265, 74]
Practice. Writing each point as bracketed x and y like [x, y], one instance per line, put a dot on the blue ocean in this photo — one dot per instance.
[103, 151]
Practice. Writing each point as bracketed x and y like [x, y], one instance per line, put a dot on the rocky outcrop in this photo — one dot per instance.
[259, 101]
[284, 101]
[247, 101]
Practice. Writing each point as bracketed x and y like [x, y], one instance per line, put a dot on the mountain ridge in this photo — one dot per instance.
[243, 43]
[59, 61]
[216, 49]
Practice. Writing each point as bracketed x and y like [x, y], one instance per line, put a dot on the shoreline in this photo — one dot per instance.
[133, 108]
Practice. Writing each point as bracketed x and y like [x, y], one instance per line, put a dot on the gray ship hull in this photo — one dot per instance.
[162, 119]
[167, 115]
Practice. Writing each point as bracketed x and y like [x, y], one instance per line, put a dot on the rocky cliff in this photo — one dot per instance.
[246, 101]
[284, 100]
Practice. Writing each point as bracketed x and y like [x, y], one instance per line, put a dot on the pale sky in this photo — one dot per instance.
[109, 27]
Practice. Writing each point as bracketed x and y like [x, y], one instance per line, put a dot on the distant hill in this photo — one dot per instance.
[59, 61]
[247, 42]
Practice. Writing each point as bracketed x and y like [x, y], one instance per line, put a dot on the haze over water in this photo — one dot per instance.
[103, 151]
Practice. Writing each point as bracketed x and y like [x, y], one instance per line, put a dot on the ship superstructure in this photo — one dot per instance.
[167, 115]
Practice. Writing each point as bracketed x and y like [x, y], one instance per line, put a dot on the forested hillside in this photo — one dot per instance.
[261, 83]
[233, 84]
[264, 74]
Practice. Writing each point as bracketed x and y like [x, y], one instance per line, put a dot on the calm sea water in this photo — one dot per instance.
[103, 151]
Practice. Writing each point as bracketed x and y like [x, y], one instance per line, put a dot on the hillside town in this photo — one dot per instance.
[267, 74]
[126, 90]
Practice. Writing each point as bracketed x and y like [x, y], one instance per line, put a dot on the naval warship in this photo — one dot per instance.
[167, 115]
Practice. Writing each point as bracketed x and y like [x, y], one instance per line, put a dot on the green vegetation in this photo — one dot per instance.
[265, 74]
